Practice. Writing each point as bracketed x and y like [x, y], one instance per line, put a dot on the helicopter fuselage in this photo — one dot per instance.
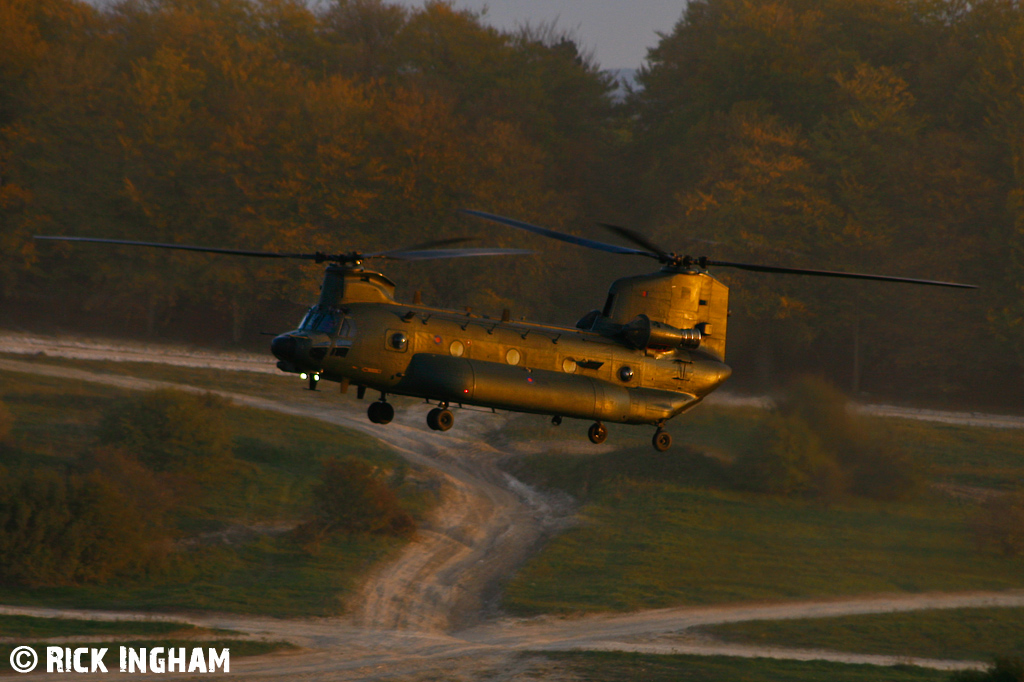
[359, 335]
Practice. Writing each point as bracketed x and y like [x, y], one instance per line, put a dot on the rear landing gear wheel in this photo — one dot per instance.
[662, 440]
[440, 420]
[380, 412]
[557, 420]
[597, 433]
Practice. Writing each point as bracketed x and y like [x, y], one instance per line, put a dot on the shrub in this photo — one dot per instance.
[825, 410]
[789, 460]
[60, 528]
[999, 524]
[813, 444]
[170, 430]
[351, 498]
[151, 494]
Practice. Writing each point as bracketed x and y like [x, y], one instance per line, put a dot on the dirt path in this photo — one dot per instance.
[430, 613]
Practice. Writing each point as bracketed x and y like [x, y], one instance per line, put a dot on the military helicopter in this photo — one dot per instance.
[654, 351]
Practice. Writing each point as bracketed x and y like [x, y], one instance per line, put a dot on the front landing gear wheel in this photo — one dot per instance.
[597, 433]
[440, 420]
[557, 420]
[380, 412]
[662, 440]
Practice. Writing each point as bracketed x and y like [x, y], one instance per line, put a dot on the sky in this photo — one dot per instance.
[617, 32]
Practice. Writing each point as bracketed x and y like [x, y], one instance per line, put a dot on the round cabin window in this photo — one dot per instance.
[457, 349]
[513, 357]
[626, 373]
[399, 341]
[569, 365]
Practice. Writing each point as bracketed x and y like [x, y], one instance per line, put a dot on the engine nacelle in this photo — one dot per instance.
[643, 332]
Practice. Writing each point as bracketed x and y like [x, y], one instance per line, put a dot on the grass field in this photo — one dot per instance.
[277, 462]
[667, 529]
[626, 667]
[655, 530]
[966, 634]
[34, 627]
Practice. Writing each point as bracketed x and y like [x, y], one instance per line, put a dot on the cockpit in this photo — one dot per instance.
[321, 320]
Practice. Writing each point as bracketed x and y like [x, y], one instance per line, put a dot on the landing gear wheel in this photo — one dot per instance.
[597, 433]
[662, 440]
[557, 420]
[440, 420]
[380, 412]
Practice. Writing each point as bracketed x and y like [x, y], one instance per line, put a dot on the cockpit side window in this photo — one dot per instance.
[321, 320]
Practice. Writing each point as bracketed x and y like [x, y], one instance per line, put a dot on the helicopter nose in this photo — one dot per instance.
[284, 347]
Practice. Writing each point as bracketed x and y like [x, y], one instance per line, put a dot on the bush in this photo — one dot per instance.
[171, 431]
[351, 498]
[999, 524]
[814, 445]
[59, 528]
[825, 410]
[790, 460]
[151, 495]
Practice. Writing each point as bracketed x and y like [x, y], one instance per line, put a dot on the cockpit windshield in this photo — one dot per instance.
[321, 320]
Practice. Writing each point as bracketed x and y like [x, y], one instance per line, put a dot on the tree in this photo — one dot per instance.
[812, 444]
[172, 431]
[61, 528]
[352, 498]
[789, 460]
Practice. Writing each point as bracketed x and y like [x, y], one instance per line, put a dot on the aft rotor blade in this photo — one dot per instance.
[432, 254]
[318, 257]
[833, 273]
[638, 239]
[561, 236]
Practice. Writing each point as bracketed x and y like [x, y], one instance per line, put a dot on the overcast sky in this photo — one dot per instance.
[618, 32]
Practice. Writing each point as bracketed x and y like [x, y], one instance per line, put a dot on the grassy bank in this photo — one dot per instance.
[965, 634]
[627, 667]
[234, 550]
[34, 627]
[668, 529]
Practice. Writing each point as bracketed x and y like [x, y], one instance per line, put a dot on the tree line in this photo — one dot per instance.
[865, 135]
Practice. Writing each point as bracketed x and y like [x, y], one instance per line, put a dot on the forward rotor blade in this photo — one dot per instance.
[420, 247]
[638, 239]
[561, 236]
[319, 257]
[833, 273]
[433, 254]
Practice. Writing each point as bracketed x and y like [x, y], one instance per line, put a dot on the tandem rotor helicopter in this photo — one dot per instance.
[654, 351]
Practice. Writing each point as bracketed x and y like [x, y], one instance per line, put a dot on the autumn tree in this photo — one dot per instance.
[352, 498]
[66, 528]
[836, 133]
[170, 430]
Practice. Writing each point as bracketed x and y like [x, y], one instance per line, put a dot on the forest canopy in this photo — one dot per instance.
[866, 135]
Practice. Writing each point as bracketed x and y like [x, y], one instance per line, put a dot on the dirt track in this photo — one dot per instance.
[430, 612]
